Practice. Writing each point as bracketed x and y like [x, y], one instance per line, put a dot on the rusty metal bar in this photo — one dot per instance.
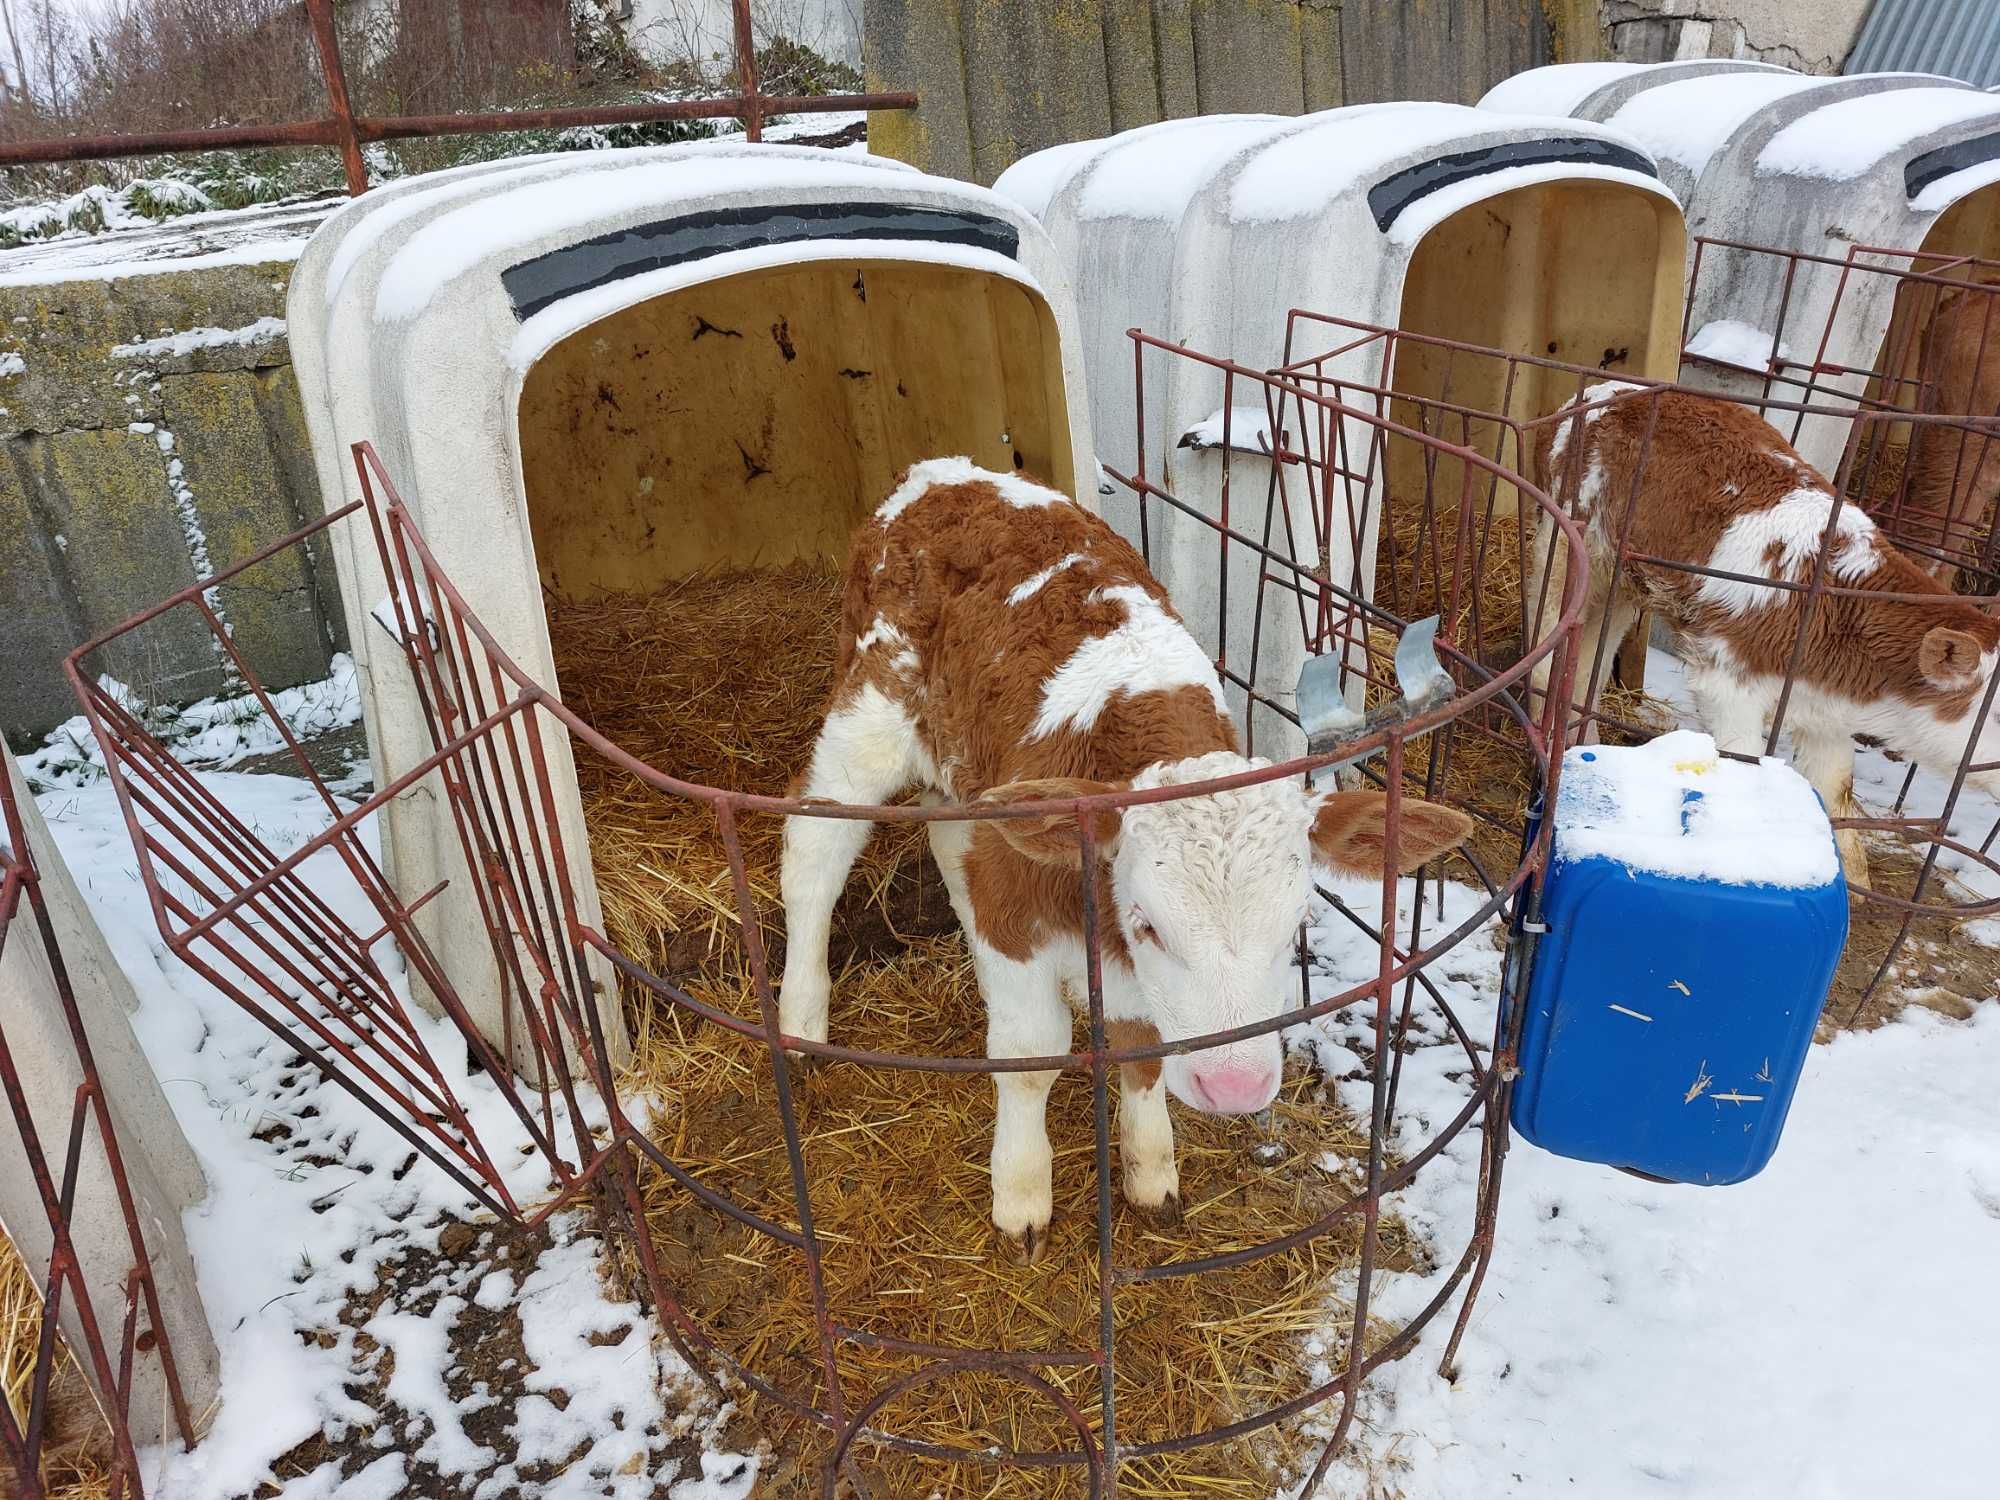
[348, 131]
[327, 41]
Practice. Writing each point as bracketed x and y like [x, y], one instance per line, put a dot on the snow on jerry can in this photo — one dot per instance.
[1696, 911]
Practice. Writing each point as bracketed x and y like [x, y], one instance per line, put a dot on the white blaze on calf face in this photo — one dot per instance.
[1210, 894]
[1781, 542]
[1150, 652]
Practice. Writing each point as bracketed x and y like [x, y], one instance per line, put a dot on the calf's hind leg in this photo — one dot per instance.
[1827, 761]
[866, 752]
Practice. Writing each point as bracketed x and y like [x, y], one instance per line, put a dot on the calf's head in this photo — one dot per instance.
[1208, 893]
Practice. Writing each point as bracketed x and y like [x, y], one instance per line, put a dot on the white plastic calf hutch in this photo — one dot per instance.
[1904, 169]
[599, 373]
[1688, 114]
[1537, 237]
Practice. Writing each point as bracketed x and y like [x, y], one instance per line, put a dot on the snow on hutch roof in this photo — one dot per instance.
[1215, 226]
[1842, 140]
[1266, 168]
[1685, 121]
[1563, 88]
[1694, 116]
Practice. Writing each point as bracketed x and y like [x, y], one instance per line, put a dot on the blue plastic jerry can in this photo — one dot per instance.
[1696, 912]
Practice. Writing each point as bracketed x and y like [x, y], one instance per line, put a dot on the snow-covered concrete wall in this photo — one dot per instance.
[149, 433]
[165, 1178]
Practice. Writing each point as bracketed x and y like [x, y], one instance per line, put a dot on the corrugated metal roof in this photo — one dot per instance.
[1958, 38]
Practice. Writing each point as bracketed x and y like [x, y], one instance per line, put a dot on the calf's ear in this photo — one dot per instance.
[1052, 839]
[1350, 832]
[1949, 659]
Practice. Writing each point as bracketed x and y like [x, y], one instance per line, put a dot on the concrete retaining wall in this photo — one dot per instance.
[1002, 78]
[132, 461]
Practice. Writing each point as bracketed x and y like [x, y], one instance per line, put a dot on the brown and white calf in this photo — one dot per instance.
[1002, 644]
[1722, 489]
[1953, 474]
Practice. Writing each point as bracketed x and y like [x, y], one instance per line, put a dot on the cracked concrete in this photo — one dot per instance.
[1813, 36]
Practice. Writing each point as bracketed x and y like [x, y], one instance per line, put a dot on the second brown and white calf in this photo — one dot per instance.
[1721, 489]
[1000, 644]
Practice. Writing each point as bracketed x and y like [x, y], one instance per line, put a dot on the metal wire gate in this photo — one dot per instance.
[1500, 403]
[108, 1353]
[246, 918]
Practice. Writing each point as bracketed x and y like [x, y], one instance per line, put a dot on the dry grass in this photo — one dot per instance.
[1937, 966]
[721, 680]
[76, 1456]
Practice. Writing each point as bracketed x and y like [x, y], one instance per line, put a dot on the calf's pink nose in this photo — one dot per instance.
[1234, 1088]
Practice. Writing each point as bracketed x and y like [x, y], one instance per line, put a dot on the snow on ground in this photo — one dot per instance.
[315, 1203]
[1822, 1330]
[214, 734]
[1817, 1331]
[264, 233]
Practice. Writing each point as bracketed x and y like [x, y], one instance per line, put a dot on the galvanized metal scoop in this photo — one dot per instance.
[1326, 716]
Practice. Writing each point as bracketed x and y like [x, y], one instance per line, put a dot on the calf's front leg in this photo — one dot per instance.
[1026, 1016]
[1145, 1133]
[865, 753]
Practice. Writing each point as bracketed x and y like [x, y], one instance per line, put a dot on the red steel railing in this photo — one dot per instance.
[341, 127]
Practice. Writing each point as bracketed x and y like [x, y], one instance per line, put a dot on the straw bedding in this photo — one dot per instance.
[76, 1463]
[721, 679]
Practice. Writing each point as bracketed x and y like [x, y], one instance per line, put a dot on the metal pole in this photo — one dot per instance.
[320, 12]
[746, 73]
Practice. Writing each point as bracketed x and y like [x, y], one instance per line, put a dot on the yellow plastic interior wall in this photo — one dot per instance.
[1587, 272]
[753, 420]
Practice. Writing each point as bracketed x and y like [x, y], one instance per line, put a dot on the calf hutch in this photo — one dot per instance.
[1527, 235]
[602, 379]
[613, 423]
[1819, 218]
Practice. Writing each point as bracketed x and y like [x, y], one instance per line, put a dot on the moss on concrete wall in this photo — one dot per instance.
[134, 461]
[999, 79]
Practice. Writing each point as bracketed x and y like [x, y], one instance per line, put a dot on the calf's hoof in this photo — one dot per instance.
[1165, 1214]
[1025, 1247]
